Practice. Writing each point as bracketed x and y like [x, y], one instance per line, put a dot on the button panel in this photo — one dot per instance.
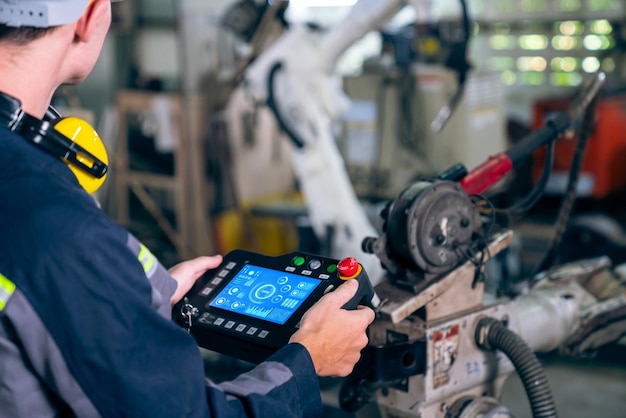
[300, 264]
[233, 326]
[219, 277]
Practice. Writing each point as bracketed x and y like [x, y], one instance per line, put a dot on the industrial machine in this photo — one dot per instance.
[440, 347]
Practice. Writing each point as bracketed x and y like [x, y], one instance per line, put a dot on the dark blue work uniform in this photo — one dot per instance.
[84, 315]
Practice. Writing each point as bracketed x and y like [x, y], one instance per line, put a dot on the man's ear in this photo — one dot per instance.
[85, 25]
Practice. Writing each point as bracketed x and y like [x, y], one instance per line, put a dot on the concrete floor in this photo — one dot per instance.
[581, 389]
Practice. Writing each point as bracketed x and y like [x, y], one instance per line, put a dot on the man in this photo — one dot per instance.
[85, 324]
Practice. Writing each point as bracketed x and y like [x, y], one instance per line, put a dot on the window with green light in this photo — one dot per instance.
[532, 78]
[500, 42]
[565, 79]
[538, 52]
[566, 43]
[569, 27]
[565, 64]
[598, 5]
[590, 64]
[506, 6]
[594, 42]
[533, 42]
[536, 63]
[600, 27]
[500, 63]
[478, 7]
[534, 5]
[508, 78]
[570, 5]
[501, 28]
[608, 65]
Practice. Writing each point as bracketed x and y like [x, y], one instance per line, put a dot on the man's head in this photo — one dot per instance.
[46, 43]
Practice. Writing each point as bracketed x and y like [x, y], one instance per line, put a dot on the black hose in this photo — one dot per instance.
[571, 193]
[273, 105]
[520, 208]
[492, 334]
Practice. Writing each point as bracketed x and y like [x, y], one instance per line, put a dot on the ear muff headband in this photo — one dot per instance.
[74, 141]
[71, 139]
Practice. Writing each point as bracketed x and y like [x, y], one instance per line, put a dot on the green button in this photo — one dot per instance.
[332, 268]
[298, 261]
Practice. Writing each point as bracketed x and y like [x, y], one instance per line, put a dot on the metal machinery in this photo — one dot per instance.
[388, 141]
[439, 347]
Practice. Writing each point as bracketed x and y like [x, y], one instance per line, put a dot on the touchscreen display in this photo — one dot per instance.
[264, 293]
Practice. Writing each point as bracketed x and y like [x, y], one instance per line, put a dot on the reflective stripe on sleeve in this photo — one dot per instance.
[147, 260]
[7, 287]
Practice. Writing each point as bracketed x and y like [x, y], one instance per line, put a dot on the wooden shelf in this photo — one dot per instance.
[192, 233]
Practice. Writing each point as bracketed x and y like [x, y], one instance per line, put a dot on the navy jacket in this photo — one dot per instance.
[85, 325]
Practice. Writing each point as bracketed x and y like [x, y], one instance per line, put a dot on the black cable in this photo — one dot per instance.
[479, 240]
[470, 253]
[458, 61]
[273, 105]
[567, 204]
[531, 199]
[485, 207]
[407, 130]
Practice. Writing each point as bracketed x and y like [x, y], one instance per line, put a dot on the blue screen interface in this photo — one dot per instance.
[264, 293]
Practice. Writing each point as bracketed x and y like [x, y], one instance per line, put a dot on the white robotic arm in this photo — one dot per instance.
[295, 76]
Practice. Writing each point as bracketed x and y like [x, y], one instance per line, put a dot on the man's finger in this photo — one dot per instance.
[343, 294]
[368, 312]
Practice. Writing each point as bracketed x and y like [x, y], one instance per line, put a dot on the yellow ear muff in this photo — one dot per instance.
[84, 135]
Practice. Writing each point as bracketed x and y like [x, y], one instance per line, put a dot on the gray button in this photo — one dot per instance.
[290, 268]
[229, 324]
[315, 264]
[306, 272]
[219, 321]
[205, 319]
[222, 273]
[240, 327]
[263, 334]
[206, 291]
[252, 331]
[216, 281]
[231, 265]
[324, 276]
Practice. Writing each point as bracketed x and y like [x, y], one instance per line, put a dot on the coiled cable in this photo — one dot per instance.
[491, 335]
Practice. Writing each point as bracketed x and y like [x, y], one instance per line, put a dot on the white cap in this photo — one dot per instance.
[41, 13]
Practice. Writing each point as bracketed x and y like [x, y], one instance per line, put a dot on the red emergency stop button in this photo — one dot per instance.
[348, 268]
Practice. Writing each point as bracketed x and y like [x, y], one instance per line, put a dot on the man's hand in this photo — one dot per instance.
[334, 336]
[187, 272]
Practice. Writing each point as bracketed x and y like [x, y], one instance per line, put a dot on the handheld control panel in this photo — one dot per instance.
[251, 304]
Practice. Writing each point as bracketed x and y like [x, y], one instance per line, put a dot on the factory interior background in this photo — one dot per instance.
[200, 164]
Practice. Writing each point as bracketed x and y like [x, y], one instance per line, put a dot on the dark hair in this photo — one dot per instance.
[23, 34]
